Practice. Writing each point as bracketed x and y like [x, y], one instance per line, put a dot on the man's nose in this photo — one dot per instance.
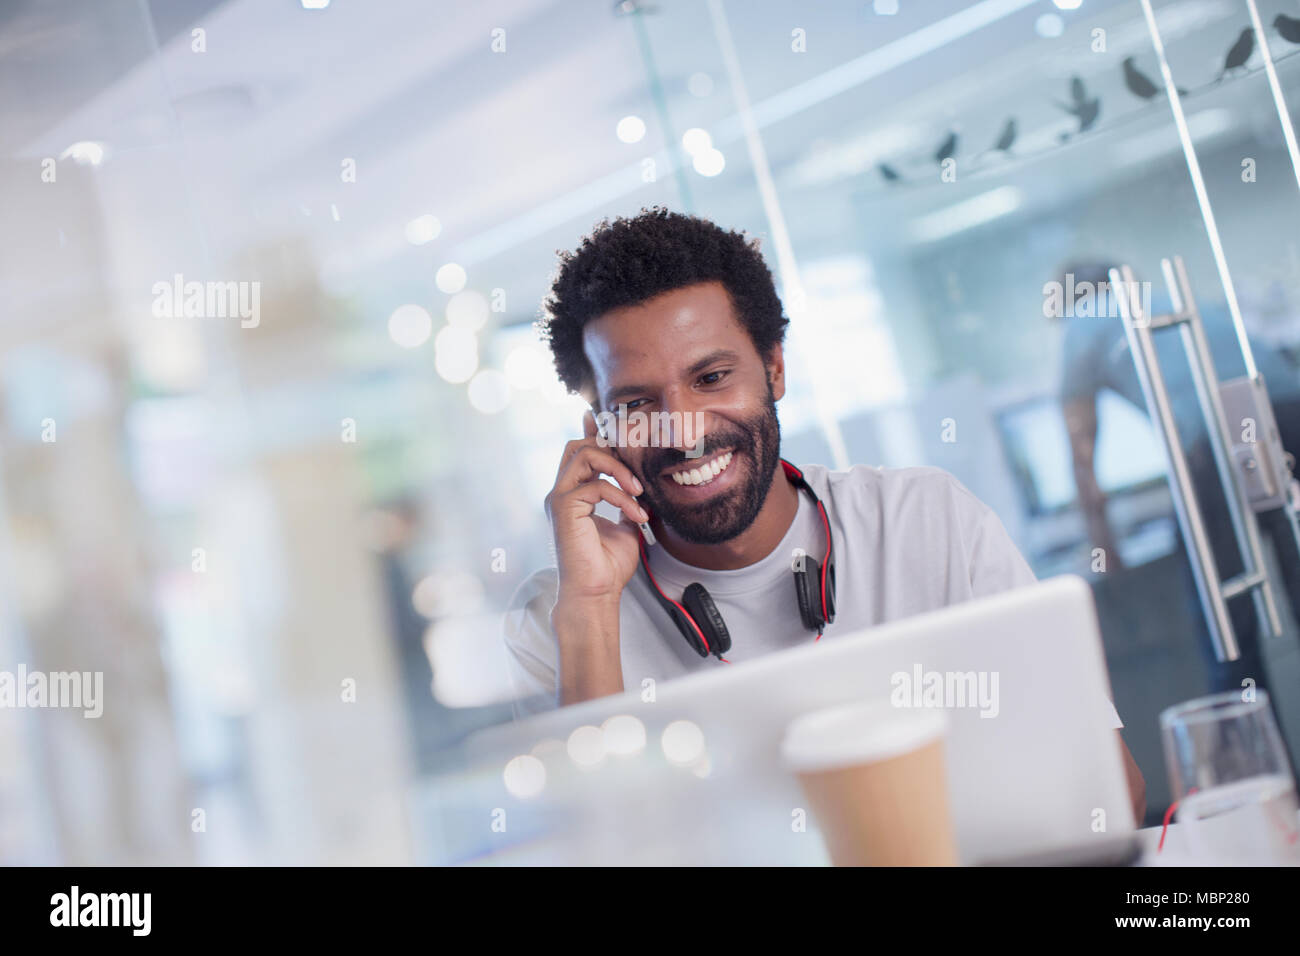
[684, 427]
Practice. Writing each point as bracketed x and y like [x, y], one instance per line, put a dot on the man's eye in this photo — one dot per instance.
[713, 378]
[634, 403]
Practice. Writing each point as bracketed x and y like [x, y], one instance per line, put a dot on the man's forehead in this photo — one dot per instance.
[671, 331]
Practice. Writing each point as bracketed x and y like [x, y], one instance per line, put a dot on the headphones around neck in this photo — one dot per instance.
[699, 619]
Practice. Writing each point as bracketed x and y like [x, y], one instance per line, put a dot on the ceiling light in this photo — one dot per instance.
[966, 214]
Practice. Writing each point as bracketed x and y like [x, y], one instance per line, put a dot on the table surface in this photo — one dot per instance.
[1175, 850]
[1172, 854]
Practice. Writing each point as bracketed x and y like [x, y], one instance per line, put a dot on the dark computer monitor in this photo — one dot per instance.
[1129, 454]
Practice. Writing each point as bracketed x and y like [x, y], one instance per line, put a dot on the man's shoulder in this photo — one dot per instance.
[913, 486]
[528, 613]
[922, 512]
[530, 643]
[541, 583]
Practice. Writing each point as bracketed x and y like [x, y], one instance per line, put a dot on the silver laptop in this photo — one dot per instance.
[1033, 765]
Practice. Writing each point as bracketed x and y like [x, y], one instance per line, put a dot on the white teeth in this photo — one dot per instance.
[705, 473]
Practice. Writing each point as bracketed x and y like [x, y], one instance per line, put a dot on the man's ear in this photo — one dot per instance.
[776, 371]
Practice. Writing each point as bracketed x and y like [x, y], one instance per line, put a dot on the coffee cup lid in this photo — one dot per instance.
[858, 733]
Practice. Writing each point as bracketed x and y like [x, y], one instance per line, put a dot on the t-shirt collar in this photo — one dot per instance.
[804, 532]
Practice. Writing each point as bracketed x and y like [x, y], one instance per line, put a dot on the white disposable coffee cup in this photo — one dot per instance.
[875, 780]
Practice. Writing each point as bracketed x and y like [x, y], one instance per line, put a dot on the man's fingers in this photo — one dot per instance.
[591, 461]
[571, 448]
[583, 500]
[622, 526]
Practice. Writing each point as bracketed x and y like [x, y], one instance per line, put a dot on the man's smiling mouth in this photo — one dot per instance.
[703, 473]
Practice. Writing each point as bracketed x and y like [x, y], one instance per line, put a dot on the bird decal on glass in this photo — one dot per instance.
[947, 149]
[1288, 27]
[1139, 84]
[1081, 107]
[1008, 137]
[1238, 53]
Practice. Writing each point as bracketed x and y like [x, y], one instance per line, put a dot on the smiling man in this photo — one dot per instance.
[670, 315]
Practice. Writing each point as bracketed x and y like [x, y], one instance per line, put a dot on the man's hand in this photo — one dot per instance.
[1081, 424]
[596, 558]
[1137, 785]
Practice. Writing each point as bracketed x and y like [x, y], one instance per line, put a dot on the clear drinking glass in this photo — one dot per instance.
[1229, 772]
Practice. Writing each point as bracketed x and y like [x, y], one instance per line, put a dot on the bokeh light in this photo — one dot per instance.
[456, 354]
[410, 326]
[709, 162]
[682, 742]
[528, 367]
[489, 392]
[450, 278]
[422, 229]
[85, 153]
[700, 84]
[696, 140]
[586, 746]
[624, 735]
[468, 309]
[1049, 25]
[630, 129]
[525, 776]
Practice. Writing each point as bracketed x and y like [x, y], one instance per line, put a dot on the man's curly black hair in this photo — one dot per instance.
[630, 260]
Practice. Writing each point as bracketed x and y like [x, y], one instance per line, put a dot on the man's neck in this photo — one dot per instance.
[750, 546]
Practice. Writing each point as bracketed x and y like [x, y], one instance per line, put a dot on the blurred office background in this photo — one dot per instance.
[286, 544]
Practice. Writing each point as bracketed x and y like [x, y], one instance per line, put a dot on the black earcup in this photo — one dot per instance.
[696, 600]
[687, 629]
[807, 588]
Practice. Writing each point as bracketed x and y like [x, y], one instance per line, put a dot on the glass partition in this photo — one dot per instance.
[944, 172]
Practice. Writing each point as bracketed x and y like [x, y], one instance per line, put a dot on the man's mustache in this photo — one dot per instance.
[738, 441]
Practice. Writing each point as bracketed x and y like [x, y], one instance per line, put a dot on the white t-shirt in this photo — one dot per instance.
[907, 540]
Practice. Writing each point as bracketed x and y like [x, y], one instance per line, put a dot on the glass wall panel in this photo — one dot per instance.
[940, 168]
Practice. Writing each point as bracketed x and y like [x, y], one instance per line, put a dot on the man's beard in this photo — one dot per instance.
[758, 440]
